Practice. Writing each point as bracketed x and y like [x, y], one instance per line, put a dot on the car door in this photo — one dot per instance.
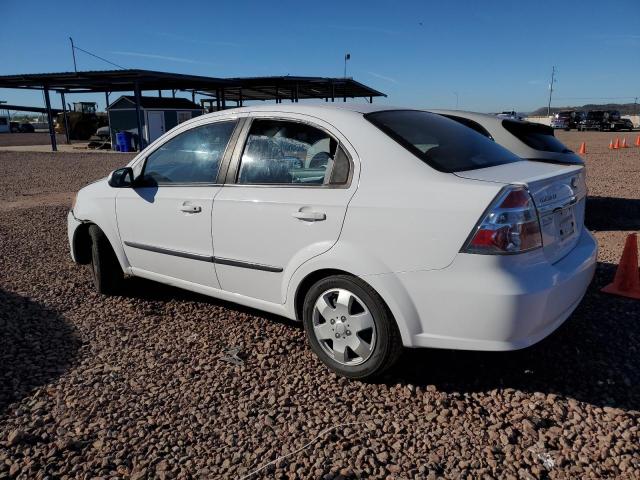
[284, 202]
[165, 220]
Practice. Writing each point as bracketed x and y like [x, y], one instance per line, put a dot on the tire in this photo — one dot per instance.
[369, 341]
[105, 268]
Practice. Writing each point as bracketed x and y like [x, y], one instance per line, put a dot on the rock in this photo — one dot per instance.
[15, 437]
[382, 457]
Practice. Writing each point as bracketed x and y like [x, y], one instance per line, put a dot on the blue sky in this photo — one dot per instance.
[497, 55]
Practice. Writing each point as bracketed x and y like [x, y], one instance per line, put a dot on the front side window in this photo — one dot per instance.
[284, 152]
[191, 157]
[442, 143]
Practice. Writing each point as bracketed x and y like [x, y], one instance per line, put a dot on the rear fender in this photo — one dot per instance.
[351, 259]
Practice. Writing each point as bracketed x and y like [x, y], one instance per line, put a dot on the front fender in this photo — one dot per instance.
[96, 203]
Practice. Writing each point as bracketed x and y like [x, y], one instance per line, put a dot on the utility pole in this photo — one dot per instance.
[553, 76]
[347, 56]
[73, 52]
[635, 106]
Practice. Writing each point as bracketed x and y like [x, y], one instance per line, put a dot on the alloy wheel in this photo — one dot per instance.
[344, 327]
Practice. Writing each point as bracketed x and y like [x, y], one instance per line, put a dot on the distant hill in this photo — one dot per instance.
[624, 108]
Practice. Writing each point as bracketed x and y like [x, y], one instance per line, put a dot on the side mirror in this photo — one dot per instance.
[121, 178]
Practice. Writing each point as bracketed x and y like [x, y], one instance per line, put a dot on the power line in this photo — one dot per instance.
[74, 48]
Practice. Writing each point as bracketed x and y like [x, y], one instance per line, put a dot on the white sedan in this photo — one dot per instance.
[376, 227]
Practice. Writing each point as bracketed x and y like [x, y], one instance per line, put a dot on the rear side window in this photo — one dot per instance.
[537, 136]
[285, 152]
[440, 142]
[192, 157]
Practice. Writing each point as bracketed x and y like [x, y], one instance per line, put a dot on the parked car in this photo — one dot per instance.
[529, 140]
[567, 119]
[602, 120]
[14, 127]
[622, 124]
[510, 114]
[376, 227]
[26, 128]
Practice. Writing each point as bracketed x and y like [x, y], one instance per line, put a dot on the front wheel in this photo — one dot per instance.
[349, 327]
[105, 268]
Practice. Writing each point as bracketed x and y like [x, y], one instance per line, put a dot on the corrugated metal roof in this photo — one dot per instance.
[248, 88]
[158, 102]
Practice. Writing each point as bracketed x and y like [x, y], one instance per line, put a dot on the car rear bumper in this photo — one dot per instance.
[486, 302]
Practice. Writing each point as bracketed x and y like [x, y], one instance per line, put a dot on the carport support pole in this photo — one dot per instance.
[66, 119]
[138, 98]
[52, 132]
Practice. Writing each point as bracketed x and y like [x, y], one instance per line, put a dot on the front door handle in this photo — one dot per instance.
[188, 208]
[310, 215]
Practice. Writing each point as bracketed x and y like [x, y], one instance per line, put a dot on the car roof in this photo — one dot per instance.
[337, 112]
[311, 108]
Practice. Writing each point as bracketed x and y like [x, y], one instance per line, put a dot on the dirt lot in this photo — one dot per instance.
[134, 386]
[37, 138]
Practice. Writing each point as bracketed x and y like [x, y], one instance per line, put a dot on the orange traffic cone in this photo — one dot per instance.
[638, 141]
[583, 149]
[616, 145]
[627, 279]
[624, 143]
[611, 147]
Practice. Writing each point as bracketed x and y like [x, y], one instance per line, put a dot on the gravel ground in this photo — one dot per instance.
[136, 386]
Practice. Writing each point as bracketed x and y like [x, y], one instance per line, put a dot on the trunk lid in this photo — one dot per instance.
[559, 192]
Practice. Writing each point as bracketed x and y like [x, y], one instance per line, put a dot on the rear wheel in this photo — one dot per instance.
[105, 268]
[350, 328]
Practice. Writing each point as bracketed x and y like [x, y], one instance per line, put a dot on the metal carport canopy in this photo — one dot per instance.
[222, 89]
[110, 81]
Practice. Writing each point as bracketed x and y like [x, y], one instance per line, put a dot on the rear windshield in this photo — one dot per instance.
[444, 144]
[537, 136]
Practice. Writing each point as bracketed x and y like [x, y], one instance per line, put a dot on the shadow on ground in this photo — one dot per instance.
[612, 214]
[594, 357]
[149, 290]
[36, 347]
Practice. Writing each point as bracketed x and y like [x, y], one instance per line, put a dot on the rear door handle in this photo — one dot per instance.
[188, 208]
[310, 215]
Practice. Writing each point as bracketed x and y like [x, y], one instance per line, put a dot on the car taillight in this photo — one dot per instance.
[510, 225]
